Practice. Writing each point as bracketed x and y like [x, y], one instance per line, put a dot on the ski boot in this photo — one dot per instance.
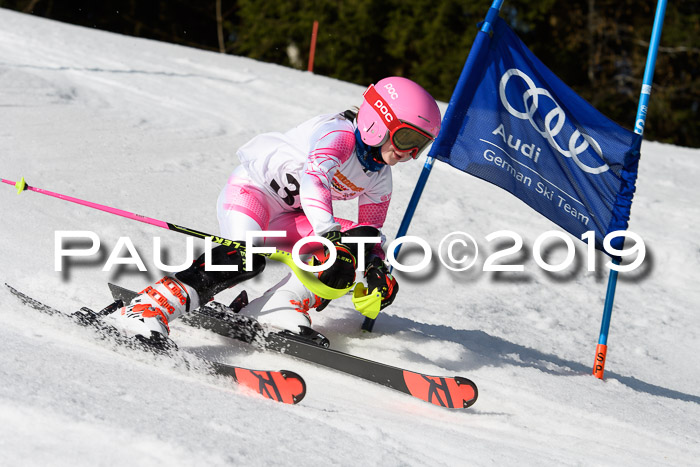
[150, 313]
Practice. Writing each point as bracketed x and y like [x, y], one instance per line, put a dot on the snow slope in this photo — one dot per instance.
[153, 128]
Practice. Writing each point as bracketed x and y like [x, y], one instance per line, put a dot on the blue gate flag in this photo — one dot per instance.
[513, 123]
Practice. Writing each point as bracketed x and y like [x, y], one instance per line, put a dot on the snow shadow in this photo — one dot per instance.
[496, 351]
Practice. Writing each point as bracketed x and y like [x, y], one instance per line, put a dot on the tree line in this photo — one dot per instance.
[598, 47]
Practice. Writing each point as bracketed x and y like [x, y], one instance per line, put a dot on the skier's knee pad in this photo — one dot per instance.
[209, 283]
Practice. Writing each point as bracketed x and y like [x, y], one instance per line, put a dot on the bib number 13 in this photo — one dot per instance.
[289, 193]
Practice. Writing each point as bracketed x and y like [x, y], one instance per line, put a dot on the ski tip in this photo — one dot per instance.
[290, 375]
[468, 390]
[282, 386]
[21, 185]
[451, 393]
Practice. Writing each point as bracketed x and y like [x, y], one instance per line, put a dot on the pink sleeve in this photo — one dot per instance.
[373, 214]
[338, 144]
[330, 151]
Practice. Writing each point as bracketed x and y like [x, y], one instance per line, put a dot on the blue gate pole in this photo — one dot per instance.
[602, 348]
[368, 323]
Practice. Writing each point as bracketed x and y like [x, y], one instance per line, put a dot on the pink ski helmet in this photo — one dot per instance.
[399, 109]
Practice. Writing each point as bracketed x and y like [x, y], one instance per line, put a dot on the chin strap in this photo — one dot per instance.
[369, 156]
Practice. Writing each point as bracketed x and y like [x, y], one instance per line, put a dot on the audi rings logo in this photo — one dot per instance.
[553, 121]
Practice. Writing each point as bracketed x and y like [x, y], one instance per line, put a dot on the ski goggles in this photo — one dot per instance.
[404, 136]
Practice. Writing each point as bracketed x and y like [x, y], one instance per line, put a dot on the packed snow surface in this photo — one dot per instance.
[153, 128]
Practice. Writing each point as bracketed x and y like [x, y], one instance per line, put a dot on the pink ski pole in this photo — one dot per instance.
[309, 279]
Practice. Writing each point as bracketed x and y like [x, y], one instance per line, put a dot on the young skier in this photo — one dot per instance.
[287, 182]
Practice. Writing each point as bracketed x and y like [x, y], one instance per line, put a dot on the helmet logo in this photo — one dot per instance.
[392, 92]
[386, 113]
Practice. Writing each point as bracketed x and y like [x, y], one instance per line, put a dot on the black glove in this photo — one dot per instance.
[341, 274]
[378, 277]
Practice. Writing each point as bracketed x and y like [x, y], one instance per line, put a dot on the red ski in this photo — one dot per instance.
[281, 386]
[454, 392]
